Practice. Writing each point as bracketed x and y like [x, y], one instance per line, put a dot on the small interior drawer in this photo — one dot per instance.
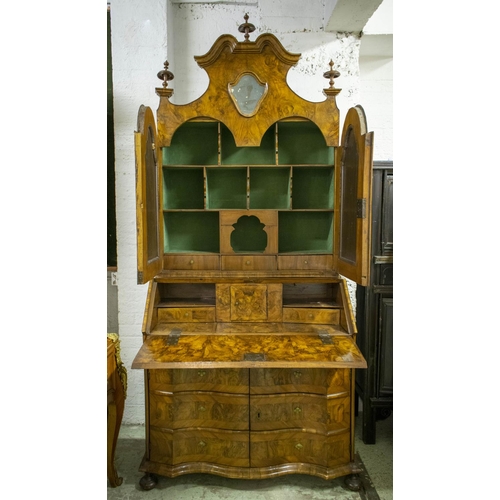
[248, 262]
[305, 262]
[193, 262]
[186, 314]
[311, 315]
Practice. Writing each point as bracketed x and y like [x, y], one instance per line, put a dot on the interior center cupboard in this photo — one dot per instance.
[252, 207]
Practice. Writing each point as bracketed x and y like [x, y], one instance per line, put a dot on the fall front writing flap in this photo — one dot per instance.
[353, 175]
[148, 178]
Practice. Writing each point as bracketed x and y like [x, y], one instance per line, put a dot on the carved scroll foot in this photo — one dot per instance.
[113, 478]
[353, 482]
[148, 481]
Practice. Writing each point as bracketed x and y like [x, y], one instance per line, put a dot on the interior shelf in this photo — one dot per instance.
[291, 172]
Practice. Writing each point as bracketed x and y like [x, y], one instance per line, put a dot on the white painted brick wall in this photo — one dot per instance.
[140, 45]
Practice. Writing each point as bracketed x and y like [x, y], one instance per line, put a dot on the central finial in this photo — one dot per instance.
[246, 28]
[332, 74]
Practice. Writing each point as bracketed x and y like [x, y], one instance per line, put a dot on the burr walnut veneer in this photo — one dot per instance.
[249, 213]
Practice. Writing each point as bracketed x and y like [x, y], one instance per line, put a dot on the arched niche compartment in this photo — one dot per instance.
[249, 231]
[248, 235]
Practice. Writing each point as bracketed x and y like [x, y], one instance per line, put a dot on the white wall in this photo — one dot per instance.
[375, 63]
[140, 45]
[138, 38]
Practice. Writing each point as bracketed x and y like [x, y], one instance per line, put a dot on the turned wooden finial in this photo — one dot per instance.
[165, 75]
[332, 74]
[246, 28]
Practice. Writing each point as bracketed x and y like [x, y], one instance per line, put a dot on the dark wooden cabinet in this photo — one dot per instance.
[252, 205]
[374, 312]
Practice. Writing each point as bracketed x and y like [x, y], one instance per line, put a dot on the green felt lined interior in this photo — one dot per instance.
[191, 232]
[194, 143]
[313, 187]
[183, 188]
[269, 188]
[265, 154]
[302, 143]
[227, 188]
[305, 232]
[237, 178]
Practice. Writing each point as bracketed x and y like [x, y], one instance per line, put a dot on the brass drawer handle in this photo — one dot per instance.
[202, 444]
[201, 373]
[186, 314]
[297, 410]
[297, 374]
[191, 261]
[298, 446]
[247, 262]
[237, 303]
[310, 315]
[202, 408]
[305, 262]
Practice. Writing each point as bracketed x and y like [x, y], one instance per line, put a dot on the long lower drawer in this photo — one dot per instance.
[196, 445]
[284, 447]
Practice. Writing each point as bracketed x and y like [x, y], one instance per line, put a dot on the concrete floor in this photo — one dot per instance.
[377, 460]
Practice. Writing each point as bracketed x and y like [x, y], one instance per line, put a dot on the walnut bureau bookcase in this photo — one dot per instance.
[251, 210]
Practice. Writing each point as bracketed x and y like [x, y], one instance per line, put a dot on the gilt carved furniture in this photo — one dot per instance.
[117, 390]
[250, 209]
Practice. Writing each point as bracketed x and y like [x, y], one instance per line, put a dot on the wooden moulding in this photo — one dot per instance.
[268, 61]
[326, 473]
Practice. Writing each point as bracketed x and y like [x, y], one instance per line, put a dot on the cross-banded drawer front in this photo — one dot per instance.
[218, 447]
[282, 380]
[229, 380]
[219, 411]
[288, 411]
[183, 446]
[282, 447]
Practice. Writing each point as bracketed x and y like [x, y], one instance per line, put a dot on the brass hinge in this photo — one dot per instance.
[361, 208]
[325, 337]
[173, 336]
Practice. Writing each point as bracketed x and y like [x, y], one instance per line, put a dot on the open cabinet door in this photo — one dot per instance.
[353, 177]
[148, 178]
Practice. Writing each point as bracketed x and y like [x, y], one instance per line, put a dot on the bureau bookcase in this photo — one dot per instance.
[252, 207]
